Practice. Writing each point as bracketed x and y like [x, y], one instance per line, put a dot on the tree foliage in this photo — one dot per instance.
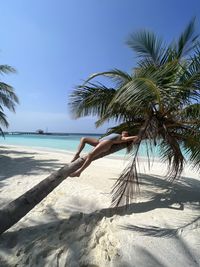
[8, 98]
[159, 101]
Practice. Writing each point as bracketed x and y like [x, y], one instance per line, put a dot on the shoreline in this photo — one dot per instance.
[75, 225]
[125, 158]
[68, 152]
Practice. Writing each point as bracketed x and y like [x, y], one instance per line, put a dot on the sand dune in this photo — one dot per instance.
[75, 226]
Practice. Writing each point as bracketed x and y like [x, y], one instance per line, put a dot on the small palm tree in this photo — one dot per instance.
[159, 101]
[8, 98]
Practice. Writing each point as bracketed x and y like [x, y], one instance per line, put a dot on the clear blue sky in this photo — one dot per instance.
[56, 44]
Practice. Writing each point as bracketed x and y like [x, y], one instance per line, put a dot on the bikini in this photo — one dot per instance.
[111, 137]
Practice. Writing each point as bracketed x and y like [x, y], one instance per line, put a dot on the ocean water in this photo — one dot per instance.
[68, 142]
[59, 142]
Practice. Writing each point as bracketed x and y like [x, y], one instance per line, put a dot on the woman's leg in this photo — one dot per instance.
[85, 140]
[101, 147]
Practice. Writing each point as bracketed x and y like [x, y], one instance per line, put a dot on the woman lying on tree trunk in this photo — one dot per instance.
[100, 145]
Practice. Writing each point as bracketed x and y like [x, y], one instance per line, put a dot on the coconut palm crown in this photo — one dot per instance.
[159, 101]
[8, 98]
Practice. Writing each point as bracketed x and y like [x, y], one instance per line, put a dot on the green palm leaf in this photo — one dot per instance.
[91, 99]
[191, 146]
[8, 98]
[187, 40]
[118, 76]
[3, 120]
[147, 45]
[6, 69]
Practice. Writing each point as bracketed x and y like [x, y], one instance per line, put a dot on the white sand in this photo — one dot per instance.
[73, 226]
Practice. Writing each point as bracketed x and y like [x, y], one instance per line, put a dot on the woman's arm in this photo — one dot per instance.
[133, 138]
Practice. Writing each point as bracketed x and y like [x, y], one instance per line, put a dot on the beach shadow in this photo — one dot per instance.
[9, 150]
[174, 196]
[82, 235]
[24, 164]
[144, 256]
[160, 193]
[82, 240]
[155, 231]
[177, 233]
[66, 242]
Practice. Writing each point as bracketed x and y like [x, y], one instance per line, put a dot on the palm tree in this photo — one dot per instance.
[159, 101]
[8, 98]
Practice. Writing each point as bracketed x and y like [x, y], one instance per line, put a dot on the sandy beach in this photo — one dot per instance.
[75, 226]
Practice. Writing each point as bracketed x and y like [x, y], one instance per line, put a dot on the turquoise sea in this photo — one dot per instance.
[65, 142]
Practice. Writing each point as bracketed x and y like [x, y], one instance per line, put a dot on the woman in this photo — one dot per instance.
[100, 145]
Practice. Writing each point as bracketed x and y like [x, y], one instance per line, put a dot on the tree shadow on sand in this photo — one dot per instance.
[9, 150]
[77, 239]
[24, 164]
[186, 191]
[82, 240]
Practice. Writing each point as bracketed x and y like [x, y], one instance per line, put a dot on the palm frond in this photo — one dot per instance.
[139, 94]
[187, 39]
[7, 96]
[170, 152]
[2, 133]
[3, 120]
[115, 113]
[6, 69]
[194, 62]
[191, 146]
[8, 90]
[118, 76]
[147, 46]
[91, 99]
[190, 113]
[127, 185]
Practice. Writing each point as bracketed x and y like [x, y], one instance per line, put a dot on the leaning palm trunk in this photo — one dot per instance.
[19, 207]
